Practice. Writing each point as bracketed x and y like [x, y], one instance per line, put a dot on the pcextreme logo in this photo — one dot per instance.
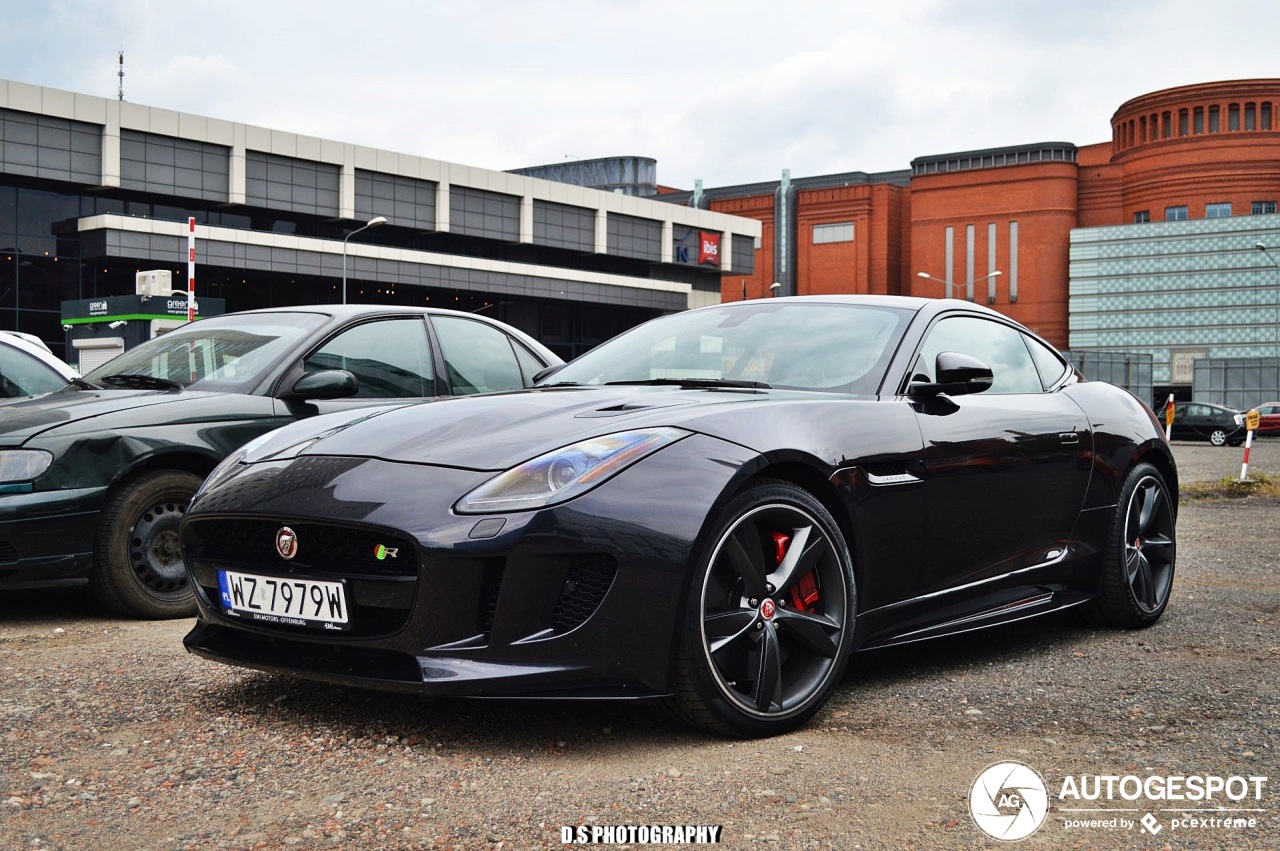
[1010, 801]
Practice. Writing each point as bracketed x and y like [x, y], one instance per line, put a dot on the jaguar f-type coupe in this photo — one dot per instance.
[714, 509]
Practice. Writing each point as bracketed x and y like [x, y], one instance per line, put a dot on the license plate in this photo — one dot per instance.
[284, 600]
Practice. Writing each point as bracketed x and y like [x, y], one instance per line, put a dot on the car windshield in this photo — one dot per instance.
[815, 346]
[224, 353]
[23, 375]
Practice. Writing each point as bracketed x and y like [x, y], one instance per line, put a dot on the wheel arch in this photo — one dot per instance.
[187, 461]
[1165, 466]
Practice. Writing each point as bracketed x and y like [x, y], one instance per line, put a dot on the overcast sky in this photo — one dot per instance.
[729, 92]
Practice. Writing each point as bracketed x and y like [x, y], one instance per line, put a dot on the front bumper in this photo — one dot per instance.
[46, 538]
[582, 599]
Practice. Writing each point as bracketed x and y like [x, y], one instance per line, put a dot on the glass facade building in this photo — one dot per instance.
[1179, 291]
[93, 191]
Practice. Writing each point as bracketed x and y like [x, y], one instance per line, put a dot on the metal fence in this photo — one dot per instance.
[1130, 370]
[1240, 383]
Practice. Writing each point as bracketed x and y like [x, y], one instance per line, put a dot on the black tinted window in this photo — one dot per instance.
[478, 357]
[995, 344]
[390, 358]
[1051, 367]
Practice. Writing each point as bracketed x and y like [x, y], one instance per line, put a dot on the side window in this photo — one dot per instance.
[995, 344]
[390, 358]
[529, 364]
[23, 375]
[1051, 366]
[478, 357]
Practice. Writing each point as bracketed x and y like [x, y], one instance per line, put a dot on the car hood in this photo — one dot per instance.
[23, 418]
[498, 431]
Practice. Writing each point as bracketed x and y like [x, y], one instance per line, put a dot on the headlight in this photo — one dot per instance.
[23, 465]
[567, 472]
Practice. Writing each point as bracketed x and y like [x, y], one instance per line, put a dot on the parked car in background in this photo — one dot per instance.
[716, 509]
[1217, 424]
[1268, 419]
[95, 477]
[27, 367]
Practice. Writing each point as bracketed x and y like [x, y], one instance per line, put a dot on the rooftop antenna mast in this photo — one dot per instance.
[120, 74]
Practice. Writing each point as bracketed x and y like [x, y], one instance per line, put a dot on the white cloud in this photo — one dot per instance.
[730, 92]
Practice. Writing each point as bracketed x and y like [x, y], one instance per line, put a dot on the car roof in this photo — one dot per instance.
[347, 312]
[37, 350]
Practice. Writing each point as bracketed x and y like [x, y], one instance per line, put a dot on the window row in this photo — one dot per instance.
[1217, 210]
[1193, 121]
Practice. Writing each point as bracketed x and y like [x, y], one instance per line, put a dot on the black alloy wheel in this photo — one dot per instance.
[138, 569]
[769, 628]
[1141, 553]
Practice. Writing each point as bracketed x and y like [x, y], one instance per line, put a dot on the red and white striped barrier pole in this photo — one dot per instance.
[1251, 422]
[1244, 467]
[191, 269]
[1168, 419]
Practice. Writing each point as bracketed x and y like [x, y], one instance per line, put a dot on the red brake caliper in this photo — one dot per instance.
[805, 592]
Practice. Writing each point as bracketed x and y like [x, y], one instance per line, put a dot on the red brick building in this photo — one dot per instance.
[1197, 151]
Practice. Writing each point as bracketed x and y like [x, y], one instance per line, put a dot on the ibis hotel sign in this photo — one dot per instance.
[697, 248]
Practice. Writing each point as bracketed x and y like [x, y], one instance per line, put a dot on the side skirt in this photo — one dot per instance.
[1032, 603]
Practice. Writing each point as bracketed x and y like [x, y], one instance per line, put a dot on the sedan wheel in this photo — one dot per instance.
[138, 569]
[769, 627]
[1218, 437]
[1139, 561]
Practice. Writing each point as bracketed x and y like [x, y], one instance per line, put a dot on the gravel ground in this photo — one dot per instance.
[114, 737]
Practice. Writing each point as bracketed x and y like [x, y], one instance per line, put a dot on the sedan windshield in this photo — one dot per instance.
[831, 346]
[224, 353]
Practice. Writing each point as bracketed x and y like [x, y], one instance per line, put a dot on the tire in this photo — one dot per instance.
[1140, 555]
[138, 569]
[768, 625]
[1218, 437]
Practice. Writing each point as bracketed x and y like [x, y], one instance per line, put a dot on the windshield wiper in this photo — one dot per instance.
[137, 381]
[77, 381]
[697, 382]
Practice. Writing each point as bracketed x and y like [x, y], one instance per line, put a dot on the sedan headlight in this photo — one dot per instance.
[23, 465]
[567, 472]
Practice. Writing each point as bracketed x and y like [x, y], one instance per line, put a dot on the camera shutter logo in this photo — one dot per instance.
[1009, 801]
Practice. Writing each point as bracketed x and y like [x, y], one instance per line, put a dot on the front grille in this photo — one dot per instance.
[380, 592]
[8, 552]
[322, 547]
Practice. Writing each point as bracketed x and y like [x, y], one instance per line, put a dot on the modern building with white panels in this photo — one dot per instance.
[94, 190]
[1180, 291]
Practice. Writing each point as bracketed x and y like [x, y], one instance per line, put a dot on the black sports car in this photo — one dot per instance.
[94, 477]
[716, 509]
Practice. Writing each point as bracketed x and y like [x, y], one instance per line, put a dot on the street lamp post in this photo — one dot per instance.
[1267, 254]
[948, 284]
[372, 223]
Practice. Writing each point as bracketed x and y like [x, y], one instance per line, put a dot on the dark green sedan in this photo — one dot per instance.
[95, 477]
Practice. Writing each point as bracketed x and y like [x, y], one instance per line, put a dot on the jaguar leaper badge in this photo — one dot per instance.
[286, 542]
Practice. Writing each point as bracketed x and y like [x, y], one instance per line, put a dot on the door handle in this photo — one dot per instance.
[1069, 438]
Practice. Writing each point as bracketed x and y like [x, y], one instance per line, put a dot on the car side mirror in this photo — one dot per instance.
[957, 375]
[325, 384]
